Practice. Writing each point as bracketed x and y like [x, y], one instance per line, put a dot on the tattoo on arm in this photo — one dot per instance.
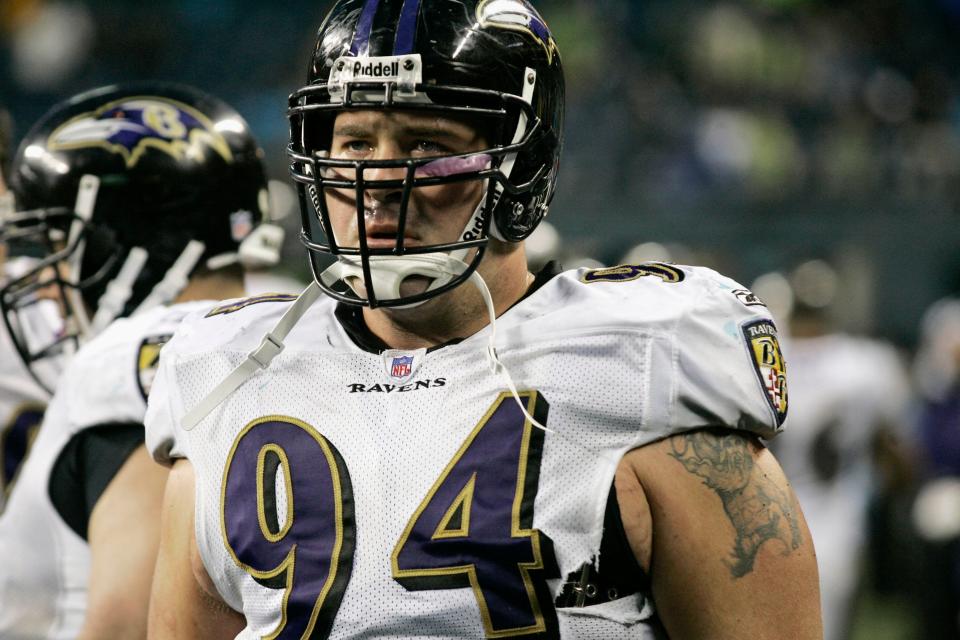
[758, 509]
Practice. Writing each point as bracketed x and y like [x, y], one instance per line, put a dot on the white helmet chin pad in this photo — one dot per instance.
[389, 272]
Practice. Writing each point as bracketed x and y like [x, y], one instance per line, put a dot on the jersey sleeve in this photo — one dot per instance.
[726, 363]
[205, 330]
[160, 425]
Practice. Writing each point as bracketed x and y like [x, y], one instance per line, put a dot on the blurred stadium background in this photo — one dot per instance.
[750, 136]
[756, 134]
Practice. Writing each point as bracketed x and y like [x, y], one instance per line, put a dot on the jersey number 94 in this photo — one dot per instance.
[472, 529]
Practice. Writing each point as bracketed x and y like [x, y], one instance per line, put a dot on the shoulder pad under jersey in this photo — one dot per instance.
[715, 356]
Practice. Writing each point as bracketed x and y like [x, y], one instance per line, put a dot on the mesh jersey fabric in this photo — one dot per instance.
[620, 364]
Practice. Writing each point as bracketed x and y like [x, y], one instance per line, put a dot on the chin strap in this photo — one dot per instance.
[174, 280]
[119, 290]
[85, 203]
[259, 250]
[260, 358]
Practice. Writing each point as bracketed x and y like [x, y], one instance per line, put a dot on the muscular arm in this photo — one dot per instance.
[184, 604]
[712, 517]
[123, 533]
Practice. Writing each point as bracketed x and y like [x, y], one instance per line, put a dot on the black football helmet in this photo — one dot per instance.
[494, 62]
[122, 193]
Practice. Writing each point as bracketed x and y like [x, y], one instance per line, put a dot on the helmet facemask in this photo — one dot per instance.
[126, 191]
[381, 270]
[42, 301]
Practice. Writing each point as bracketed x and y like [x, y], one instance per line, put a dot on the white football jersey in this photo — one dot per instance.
[405, 495]
[45, 563]
[22, 400]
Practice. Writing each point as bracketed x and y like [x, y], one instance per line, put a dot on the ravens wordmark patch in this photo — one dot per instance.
[768, 362]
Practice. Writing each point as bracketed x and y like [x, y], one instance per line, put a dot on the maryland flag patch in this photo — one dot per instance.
[768, 362]
[148, 357]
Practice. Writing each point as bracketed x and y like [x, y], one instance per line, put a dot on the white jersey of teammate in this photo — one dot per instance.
[843, 388]
[45, 563]
[22, 400]
[408, 490]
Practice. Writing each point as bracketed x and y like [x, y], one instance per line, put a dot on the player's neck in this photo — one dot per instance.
[457, 314]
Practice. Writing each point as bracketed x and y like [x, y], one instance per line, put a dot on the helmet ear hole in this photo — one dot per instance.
[516, 219]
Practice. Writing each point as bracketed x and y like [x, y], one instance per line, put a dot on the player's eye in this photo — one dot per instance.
[428, 147]
[354, 148]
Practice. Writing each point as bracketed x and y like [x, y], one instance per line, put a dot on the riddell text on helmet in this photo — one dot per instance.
[376, 69]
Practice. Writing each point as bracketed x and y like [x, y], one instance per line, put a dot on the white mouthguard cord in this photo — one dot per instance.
[496, 365]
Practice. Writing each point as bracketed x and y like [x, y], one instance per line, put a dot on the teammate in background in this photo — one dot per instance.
[22, 400]
[936, 510]
[849, 397]
[150, 198]
[446, 445]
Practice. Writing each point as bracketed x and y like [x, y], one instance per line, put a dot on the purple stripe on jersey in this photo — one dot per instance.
[406, 28]
[361, 39]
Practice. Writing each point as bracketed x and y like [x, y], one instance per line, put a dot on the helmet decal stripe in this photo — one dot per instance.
[361, 38]
[407, 28]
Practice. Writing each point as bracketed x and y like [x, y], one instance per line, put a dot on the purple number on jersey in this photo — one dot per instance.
[317, 530]
[15, 442]
[475, 526]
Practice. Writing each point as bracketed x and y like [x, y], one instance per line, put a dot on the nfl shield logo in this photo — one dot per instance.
[401, 367]
[241, 224]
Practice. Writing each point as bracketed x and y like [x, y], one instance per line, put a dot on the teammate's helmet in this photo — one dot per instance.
[492, 61]
[122, 193]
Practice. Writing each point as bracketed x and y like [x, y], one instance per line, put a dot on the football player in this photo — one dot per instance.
[850, 396]
[445, 445]
[22, 400]
[148, 198]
